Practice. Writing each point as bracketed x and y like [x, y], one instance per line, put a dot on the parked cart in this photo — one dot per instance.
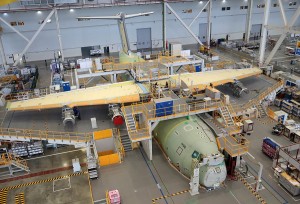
[269, 147]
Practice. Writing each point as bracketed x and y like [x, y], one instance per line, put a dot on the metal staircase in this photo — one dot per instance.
[126, 142]
[130, 122]
[15, 163]
[226, 116]
[261, 110]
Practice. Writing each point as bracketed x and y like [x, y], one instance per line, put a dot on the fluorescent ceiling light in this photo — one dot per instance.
[71, 10]
[39, 12]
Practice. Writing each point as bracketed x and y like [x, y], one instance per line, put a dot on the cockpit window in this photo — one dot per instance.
[195, 155]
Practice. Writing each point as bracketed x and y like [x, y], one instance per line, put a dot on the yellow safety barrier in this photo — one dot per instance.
[104, 153]
[107, 198]
[102, 134]
[109, 159]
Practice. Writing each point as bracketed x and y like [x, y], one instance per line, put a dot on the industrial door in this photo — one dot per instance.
[203, 32]
[144, 41]
[255, 32]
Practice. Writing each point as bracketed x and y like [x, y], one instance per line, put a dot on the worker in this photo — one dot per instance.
[76, 112]
[167, 85]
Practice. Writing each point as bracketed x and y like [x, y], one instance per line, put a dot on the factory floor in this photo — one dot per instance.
[51, 179]
[137, 179]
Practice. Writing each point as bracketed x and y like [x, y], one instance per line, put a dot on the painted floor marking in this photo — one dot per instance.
[169, 195]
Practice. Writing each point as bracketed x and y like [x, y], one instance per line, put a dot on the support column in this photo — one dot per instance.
[20, 34]
[282, 37]
[209, 23]
[282, 12]
[4, 62]
[184, 25]
[249, 21]
[263, 40]
[33, 38]
[164, 30]
[59, 36]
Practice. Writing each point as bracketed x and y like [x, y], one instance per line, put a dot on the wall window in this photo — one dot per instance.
[275, 5]
[243, 7]
[13, 23]
[204, 10]
[261, 6]
[294, 3]
[225, 8]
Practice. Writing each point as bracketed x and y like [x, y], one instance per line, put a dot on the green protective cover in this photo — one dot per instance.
[133, 57]
[185, 138]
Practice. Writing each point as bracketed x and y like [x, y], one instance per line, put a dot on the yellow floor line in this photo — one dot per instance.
[41, 181]
[250, 188]
[169, 195]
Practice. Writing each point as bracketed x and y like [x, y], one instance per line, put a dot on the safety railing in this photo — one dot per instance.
[118, 143]
[4, 160]
[260, 97]
[234, 146]
[8, 158]
[142, 133]
[28, 134]
[30, 94]
[18, 160]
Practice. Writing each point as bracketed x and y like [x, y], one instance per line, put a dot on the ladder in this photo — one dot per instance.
[9, 159]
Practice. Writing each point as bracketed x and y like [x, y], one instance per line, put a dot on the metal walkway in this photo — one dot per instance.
[68, 138]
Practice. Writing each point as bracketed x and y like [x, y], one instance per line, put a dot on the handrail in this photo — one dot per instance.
[235, 147]
[45, 135]
[118, 143]
[260, 97]
[8, 158]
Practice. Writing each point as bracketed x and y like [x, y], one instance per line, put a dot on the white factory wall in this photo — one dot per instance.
[76, 34]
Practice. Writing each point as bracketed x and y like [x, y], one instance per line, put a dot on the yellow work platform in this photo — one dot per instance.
[102, 134]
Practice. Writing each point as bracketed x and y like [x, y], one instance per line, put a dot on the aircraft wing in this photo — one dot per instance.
[138, 14]
[123, 92]
[5, 2]
[99, 17]
[126, 92]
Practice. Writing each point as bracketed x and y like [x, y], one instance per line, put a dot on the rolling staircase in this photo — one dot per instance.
[226, 116]
[261, 111]
[15, 163]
